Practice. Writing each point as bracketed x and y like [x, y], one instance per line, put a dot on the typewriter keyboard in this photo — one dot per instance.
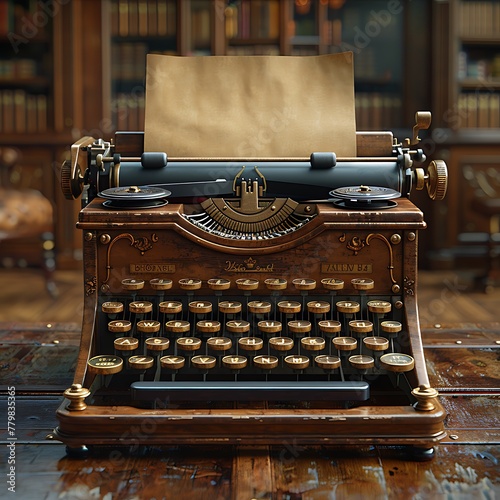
[196, 340]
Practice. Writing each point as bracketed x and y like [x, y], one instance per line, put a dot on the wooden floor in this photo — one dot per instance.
[443, 297]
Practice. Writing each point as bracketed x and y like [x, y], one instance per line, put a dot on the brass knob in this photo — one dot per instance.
[437, 180]
[76, 395]
[71, 180]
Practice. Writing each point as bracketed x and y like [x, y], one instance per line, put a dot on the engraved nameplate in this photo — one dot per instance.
[339, 267]
[152, 267]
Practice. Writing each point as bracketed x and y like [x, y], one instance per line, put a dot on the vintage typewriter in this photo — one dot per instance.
[251, 300]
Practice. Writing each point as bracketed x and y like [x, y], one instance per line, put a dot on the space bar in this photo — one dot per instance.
[251, 391]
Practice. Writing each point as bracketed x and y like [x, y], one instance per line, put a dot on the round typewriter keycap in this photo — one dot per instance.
[148, 326]
[269, 326]
[188, 343]
[189, 284]
[281, 343]
[179, 326]
[140, 307]
[328, 362]
[304, 284]
[362, 362]
[332, 283]
[313, 343]
[391, 326]
[330, 326]
[247, 284]
[172, 362]
[112, 307]
[379, 306]
[141, 362]
[362, 283]
[160, 284]
[347, 307]
[289, 307]
[157, 343]
[397, 362]
[119, 326]
[275, 283]
[250, 343]
[200, 307]
[105, 365]
[219, 343]
[203, 362]
[259, 307]
[234, 362]
[218, 284]
[170, 307]
[376, 343]
[266, 362]
[318, 307]
[345, 343]
[132, 284]
[297, 362]
[238, 326]
[296, 326]
[126, 343]
[361, 326]
[227, 307]
[206, 326]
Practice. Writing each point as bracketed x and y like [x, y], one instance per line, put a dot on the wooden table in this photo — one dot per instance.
[463, 363]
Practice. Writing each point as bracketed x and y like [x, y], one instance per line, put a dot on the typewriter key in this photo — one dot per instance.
[362, 283]
[141, 362]
[132, 284]
[172, 362]
[150, 326]
[160, 284]
[313, 343]
[189, 284]
[105, 365]
[345, 343]
[218, 284]
[157, 343]
[234, 362]
[140, 307]
[269, 326]
[175, 326]
[247, 284]
[330, 326]
[332, 283]
[299, 327]
[362, 362]
[379, 306]
[219, 343]
[397, 362]
[328, 362]
[289, 307]
[238, 326]
[126, 343]
[275, 284]
[119, 326]
[188, 343]
[205, 326]
[281, 343]
[347, 307]
[357, 326]
[112, 307]
[226, 307]
[266, 362]
[391, 326]
[304, 284]
[203, 362]
[200, 307]
[297, 362]
[318, 307]
[170, 307]
[258, 307]
[376, 343]
[251, 343]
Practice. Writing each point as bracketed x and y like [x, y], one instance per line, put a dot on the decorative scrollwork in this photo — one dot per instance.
[90, 285]
[408, 286]
[142, 244]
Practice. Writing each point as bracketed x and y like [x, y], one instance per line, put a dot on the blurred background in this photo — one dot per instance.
[71, 68]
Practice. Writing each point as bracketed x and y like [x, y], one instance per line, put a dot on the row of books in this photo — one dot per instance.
[479, 19]
[17, 69]
[128, 60]
[21, 112]
[481, 69]
[24, 16]
[477, 110]
[377, 111]
[143, 17]
[250, 19]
